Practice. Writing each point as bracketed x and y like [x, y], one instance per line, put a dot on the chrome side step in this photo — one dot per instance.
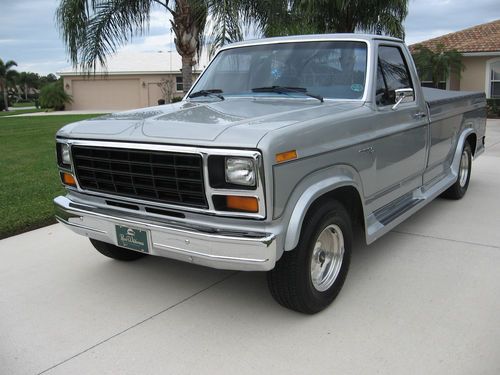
[395, 209]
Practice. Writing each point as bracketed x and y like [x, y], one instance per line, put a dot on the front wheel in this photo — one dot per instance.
[459, 188]
[308, 278]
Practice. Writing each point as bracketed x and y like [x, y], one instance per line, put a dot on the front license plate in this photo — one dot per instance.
[131, 238]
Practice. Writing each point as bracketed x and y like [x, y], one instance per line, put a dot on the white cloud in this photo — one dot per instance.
[161, 42]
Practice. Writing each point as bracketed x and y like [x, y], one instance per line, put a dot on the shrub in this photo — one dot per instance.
[493, 106]
[176, 99]
[53, 96]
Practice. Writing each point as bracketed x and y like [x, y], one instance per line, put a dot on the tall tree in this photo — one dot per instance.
[436, 65]
[44, 80]
[7, 76]
[27, 81]
[287, 17]
[94, 29]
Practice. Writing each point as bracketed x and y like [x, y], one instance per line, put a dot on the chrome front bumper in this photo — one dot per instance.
[207, 246]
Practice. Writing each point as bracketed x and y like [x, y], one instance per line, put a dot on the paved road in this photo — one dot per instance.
[424, 299]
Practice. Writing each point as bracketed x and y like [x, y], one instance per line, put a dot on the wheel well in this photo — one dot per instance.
[472, 139]
[349, 197]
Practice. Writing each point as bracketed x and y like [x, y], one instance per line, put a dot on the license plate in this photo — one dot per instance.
[132, 238]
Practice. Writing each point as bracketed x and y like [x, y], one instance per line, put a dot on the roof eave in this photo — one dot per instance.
[481, 53]
[128, 73]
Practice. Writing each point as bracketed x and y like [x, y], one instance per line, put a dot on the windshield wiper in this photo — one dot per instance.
[211, 92]
[286, 89]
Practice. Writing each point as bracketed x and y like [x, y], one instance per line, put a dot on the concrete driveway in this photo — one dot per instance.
[424, 299]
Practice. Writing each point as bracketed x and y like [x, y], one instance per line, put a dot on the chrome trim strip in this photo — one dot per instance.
[62, 221]
[208, 256]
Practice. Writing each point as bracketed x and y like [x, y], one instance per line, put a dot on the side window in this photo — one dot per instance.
[392, 74]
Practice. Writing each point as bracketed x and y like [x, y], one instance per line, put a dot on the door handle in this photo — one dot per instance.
[370, 150]
[419, 115]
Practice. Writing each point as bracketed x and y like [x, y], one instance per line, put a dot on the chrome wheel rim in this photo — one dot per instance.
[327, 257]
[464, 168]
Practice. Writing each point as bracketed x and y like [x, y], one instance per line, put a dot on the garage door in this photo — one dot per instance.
[106, 94]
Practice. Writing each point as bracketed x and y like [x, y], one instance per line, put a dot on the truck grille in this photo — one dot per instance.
[166, 177]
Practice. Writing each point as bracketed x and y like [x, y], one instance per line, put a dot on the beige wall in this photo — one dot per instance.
[474, 75]
[116, 92]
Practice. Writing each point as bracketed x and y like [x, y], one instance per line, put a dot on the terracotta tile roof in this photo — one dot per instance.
[480, 38]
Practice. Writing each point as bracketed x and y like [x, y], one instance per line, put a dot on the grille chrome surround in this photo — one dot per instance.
[160, 176]
[204, 152]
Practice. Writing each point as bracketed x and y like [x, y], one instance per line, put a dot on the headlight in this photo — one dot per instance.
[240, 171]
[65, 154]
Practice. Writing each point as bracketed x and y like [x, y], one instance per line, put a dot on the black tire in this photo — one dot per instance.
[116, 252]
[290, 282]
[459, 188]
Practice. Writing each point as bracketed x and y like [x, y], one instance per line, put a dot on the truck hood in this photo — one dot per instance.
[234, 122]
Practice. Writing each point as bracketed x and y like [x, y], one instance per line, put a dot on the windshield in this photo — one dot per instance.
[334, 70]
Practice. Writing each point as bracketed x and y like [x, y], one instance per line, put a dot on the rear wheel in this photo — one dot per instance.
[309, 278]
[116, 252]
[459, 188]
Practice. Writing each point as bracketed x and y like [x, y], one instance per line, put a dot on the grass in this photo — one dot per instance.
[28, 173]
[20, 105]
[18, 112]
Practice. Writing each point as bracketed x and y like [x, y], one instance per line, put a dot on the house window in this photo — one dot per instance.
[178, 84]
[495, 80]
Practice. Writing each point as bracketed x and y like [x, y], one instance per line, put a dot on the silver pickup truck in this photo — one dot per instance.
[281, 152]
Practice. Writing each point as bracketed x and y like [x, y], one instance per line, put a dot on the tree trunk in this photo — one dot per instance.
[5, 97]
[186, 30]
[187, 73]
[26, 91]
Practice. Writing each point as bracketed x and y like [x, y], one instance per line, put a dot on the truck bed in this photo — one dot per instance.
[438, 100]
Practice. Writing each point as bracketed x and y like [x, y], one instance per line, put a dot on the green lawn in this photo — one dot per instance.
[18, 105]
[18, 112]
[28, 172]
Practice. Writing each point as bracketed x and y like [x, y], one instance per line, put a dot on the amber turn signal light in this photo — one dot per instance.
[248, 204]
[285, 156]
[68, 179]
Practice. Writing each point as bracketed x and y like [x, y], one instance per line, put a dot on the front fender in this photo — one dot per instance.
[309, 190]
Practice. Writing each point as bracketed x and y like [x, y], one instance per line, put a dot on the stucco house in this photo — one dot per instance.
[130, 80]
[480, 47]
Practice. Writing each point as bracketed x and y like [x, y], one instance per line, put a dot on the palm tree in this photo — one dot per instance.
[94, 29]
[27, 80]
[286, 17]
[7, 76]
[436, 65]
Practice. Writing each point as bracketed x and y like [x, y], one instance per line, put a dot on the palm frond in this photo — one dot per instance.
[93, 29]
[225, 23]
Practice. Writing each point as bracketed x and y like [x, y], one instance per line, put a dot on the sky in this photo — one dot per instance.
[29, 35]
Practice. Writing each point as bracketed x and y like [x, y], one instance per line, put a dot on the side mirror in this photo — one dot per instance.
[403, 96]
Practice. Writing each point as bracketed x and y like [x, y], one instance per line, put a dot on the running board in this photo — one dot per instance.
[386, 218]
[395, 209]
